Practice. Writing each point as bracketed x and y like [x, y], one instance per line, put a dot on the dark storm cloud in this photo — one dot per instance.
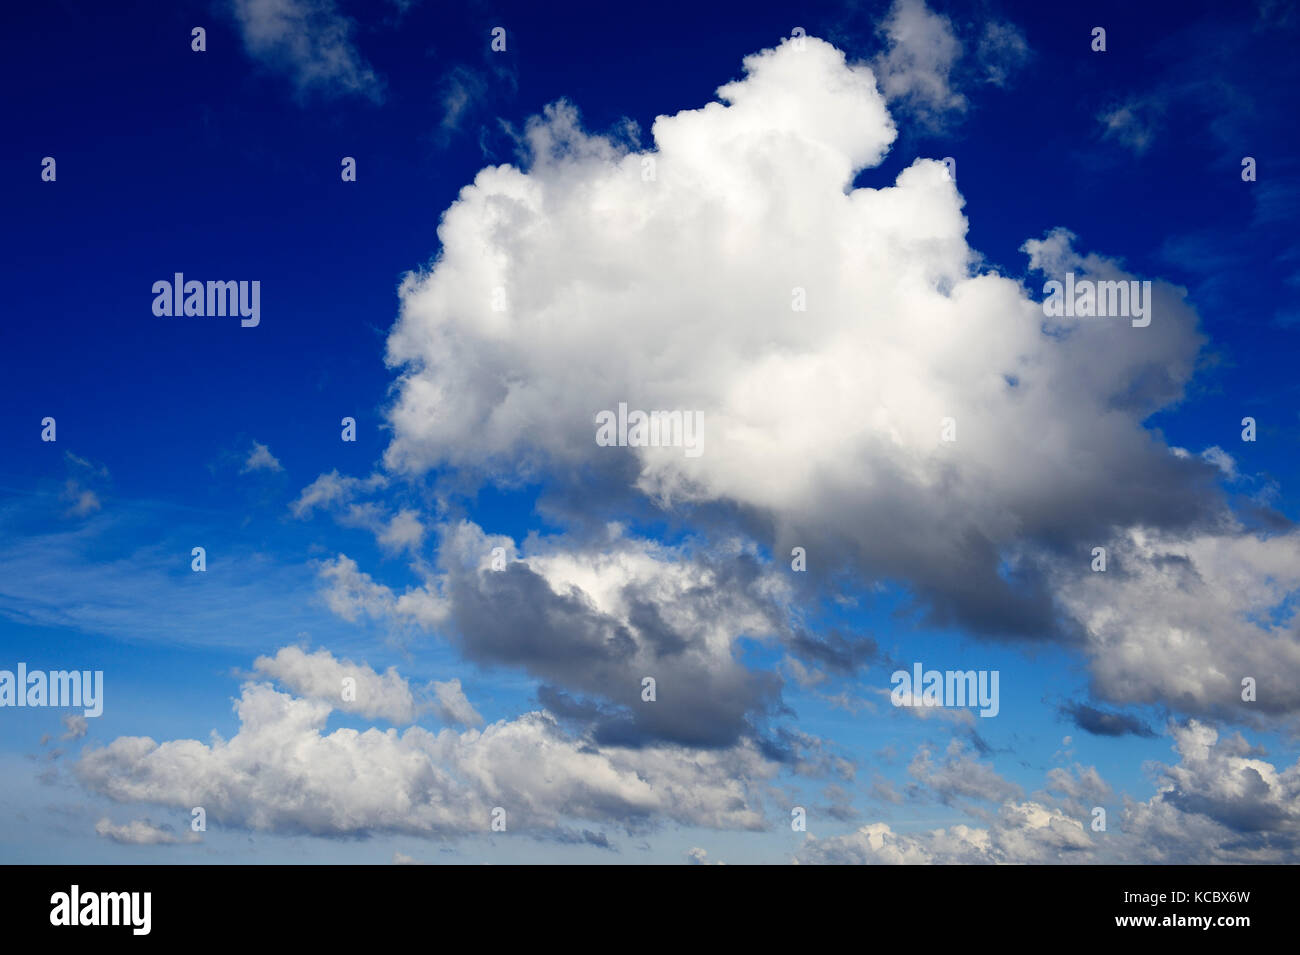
[704, 697]
[1104, 723]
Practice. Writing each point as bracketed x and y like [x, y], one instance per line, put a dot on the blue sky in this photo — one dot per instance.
[225, 164]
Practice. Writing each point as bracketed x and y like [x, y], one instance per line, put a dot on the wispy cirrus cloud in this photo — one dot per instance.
[260, 458]
[141, 832]
[311, 42]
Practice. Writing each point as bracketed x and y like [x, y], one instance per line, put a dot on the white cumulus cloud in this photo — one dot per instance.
[320, 676]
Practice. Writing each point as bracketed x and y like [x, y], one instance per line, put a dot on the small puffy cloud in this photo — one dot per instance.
[697, 856]
[351, 592]
[320, 676]
[452, 707]
[1022, 833]
[462, 88]
[913, 705]
[310, 41]
[83, 500]
[959, 774]
[840, 803]
[260, 458]
[403, 532]
[1132, 124]
[86, 467]
[80, 489]
[334, 490]
[1084, 783]
[916, 67]
[883, 790]
[76, 725]
[1100, 722]
[807, 677]
[141, 832]
[1002, 52]
[343, 497]
[1222, 460]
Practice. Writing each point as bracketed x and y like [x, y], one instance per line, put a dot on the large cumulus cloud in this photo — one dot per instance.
[593, 278]
[284, 772]
[563, 290]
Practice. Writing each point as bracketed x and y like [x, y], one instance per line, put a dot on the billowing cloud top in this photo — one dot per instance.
[824, 332]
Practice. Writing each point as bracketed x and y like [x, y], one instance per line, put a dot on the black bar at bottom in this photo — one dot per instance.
[305, 904]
